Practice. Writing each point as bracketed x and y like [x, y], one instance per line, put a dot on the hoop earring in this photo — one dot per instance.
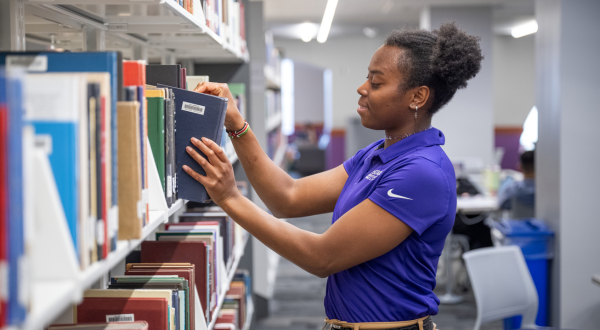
[416, 109]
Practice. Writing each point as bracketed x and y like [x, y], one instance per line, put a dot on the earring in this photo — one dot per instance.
[416, 109]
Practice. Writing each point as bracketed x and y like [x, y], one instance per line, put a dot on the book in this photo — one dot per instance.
[3, 196]
[155, 311]
[186, 272]
[156, 133]
[80, 62]
[178, 285]
[195, 253]
[133, 325]
[194, 81]
[130, 195]
[55, 107]
[197, 115]
[168, 75]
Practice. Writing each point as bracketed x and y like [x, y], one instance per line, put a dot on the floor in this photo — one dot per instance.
[298, 297]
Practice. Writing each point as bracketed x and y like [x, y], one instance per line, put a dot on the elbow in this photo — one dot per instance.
[323, 268]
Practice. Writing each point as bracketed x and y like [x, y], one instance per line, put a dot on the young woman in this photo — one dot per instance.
[393, 203]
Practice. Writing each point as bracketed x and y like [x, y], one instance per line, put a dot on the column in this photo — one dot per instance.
[567, 155]
[468, 119]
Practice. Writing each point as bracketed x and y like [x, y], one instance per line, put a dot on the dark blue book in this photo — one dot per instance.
[197, 115]
[38, 62]
[11, 90]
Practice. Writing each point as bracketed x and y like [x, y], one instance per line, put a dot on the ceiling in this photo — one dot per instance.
[352, 16]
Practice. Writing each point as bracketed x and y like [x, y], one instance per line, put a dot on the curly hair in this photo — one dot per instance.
[443, 60]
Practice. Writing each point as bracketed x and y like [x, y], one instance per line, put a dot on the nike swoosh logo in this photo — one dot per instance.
[391, 194]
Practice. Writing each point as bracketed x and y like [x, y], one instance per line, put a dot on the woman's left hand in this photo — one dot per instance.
[219, 180]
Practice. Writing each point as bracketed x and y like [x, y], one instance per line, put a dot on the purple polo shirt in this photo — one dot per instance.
[414, 181]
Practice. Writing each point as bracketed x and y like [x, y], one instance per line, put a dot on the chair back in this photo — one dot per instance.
[520, 210]
[502, 285]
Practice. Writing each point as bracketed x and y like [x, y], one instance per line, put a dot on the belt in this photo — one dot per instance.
[337, 324]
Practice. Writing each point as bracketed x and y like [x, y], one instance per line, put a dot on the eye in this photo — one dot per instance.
[375, 86]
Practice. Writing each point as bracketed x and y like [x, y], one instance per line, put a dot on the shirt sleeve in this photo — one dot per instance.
[417, 193]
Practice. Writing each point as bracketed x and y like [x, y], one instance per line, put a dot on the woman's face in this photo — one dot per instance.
[382, 105]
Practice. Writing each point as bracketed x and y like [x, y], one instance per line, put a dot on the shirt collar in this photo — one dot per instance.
[430, 137]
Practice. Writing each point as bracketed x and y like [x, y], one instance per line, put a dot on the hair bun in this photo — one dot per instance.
[456, 56]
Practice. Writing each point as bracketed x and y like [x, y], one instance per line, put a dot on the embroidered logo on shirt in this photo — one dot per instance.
[373, 175]
[391, 194]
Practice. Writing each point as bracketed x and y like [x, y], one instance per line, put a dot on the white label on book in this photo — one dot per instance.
[43, 142]
[100, 232]
[140, 209]
[113, 217]
[3, 281]
[120, 318]
[169, 186]
[145, 196]
[32, 63]
[174, 182]
[190, 107]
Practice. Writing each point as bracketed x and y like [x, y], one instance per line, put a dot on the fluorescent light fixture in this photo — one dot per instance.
[529, 136]
[524, 29]
[287, 97]
[307, 31]
[327, 19]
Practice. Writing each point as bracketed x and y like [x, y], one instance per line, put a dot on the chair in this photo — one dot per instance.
[502, 285]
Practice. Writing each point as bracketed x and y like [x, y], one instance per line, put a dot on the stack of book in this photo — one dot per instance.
[67, 107]
[234, 313]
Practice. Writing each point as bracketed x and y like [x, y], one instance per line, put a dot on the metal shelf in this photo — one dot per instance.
[51, 298]
[237, 256]
[163, 27]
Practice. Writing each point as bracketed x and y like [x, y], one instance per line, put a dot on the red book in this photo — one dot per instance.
[226, 321]
[191, 224]
[136, 325]
[152, 310]
[182, 251]
[134, 73]
[188, 274]
[3, 203]
[183, 78]
[236, 292]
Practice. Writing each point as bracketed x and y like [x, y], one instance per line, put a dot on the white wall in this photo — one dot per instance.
[513, 79]
[567, 154]
[348, 59]
[308, 93]
[468, 119]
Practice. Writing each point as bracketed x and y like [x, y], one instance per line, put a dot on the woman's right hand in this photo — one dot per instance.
[233, 119]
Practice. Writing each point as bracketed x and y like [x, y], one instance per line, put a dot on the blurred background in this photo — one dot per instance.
[522, 136]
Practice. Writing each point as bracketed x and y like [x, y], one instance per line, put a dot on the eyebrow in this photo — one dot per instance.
[376, 72]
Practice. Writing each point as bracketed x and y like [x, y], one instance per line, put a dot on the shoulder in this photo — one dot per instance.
[426, 166]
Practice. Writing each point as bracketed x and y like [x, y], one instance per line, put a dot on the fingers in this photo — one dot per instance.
[212, 157]
[200, 160]
[209, 88]
[216, 149]
[200, 178]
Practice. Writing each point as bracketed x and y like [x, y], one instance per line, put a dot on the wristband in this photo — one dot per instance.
[239, 133]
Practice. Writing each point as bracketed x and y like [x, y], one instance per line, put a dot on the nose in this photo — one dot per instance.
[362, 89]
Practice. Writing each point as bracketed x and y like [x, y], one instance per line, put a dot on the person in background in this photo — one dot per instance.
[523, 192]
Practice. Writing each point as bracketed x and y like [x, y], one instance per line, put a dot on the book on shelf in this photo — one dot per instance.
[193, 81]
[132, 325]
[152, 306]
[198, 115]
[131, 210]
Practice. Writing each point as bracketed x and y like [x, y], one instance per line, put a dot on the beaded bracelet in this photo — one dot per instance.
[239, 133]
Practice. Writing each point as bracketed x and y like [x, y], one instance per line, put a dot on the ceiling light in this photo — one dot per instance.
[307, 31]
[327, 19]
[370, 32]
[524, 29]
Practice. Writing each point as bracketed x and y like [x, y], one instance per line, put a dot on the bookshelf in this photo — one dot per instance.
[141, 30]
[153, 28]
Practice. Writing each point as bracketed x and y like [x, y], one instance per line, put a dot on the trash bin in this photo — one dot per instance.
[535, 239]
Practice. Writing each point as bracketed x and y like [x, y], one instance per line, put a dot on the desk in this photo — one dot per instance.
[476, 204]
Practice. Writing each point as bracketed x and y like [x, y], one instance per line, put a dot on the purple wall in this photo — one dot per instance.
[336, 149]
[508, 138]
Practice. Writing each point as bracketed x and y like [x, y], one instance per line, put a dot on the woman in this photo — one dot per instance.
[393, 203]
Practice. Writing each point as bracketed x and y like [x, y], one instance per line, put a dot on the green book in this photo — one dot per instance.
[156, 129]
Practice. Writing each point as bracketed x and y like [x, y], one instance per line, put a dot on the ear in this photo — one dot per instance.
[420, 97]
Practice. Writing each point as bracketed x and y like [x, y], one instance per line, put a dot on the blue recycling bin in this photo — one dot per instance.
[535, 239]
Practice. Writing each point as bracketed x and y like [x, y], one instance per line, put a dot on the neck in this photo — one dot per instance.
[406, 129]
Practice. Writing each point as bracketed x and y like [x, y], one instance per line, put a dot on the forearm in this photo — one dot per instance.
[301, 247]
[274, 186]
